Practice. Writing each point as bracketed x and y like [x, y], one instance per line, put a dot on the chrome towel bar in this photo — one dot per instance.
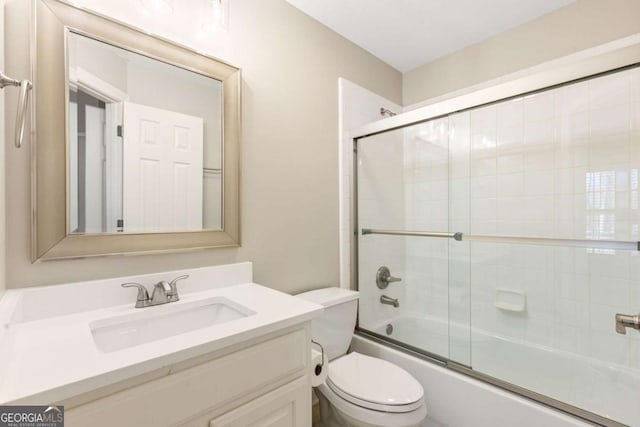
[518, 240]
[23, 99]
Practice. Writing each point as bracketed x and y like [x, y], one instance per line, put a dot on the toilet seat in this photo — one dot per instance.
[374, 384]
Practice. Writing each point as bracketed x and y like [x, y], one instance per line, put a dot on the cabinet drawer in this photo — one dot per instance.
[176, 397]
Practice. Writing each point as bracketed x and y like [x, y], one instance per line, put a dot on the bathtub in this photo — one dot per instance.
[602, 388]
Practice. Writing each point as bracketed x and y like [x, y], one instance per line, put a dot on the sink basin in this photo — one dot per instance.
[155, 323]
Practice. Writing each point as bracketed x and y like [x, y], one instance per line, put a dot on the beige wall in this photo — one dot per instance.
[290, 66]
[579, 26]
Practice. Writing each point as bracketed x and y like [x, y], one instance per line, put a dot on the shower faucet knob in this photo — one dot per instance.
[383, 277]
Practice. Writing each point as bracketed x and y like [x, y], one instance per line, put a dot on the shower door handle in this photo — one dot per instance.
[624, 321]
[383, 277]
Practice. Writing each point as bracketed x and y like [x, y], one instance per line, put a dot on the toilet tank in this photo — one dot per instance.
[333, 329]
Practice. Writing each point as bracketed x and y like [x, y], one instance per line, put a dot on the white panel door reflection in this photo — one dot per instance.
[94, 200]
[162, 170]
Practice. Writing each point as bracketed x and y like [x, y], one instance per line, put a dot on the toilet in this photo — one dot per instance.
[360, 391]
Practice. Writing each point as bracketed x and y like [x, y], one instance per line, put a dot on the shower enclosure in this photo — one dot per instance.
[513, 229]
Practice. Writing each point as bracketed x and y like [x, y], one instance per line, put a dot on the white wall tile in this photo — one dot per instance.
[509, 185]
[609, 121]
[510, 163]
[574, 126]
[483, 186]
[572, 99]
[539, 106]
[510, 113]
[539, 160]
[564, 181]
[540, 133]
[483, 166]
[610, 90]
[605, 151]
[575, 182]
[609, 347]
[539, 183]
[358, 106]
[484, 118]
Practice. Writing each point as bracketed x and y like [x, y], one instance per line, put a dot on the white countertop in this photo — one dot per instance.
[50, 359]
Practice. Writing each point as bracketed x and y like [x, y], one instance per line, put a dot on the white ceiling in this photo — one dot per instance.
[408, 33]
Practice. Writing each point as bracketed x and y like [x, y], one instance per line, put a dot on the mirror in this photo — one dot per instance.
[145, 143]
[136, 140]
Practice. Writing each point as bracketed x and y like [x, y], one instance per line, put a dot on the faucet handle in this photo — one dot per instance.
[174, 284]
[143, 294]
[384, 277]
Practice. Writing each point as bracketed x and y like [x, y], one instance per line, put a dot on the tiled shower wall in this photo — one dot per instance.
[562, 163]
[359, 106]
[559, 163]
[381, 204]
[426, 177]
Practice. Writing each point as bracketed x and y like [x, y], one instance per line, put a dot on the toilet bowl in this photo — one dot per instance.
[365, 391]
[360, 390]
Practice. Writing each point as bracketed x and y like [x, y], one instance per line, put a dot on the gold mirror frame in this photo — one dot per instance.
[49, 126]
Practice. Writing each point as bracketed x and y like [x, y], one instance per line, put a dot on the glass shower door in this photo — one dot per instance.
[402, 185]
[514, 228]
[558, 164]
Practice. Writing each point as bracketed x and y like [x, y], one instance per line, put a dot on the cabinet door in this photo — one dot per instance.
[287, 406]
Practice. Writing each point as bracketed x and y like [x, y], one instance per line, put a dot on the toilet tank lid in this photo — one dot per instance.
[329, 296]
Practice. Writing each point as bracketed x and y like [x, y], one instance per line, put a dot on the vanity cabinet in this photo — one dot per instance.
[287, 406]
[263, 380]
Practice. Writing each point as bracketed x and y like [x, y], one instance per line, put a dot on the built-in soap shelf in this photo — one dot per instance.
[514, 300]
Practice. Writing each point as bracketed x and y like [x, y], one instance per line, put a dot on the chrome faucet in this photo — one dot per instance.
[384, 277]
[389, 301]
[624, 321]
[163, 292]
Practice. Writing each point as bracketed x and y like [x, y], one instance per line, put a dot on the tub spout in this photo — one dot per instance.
[389, 301]
[624, 321]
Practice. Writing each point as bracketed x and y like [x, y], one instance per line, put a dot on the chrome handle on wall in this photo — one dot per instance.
[383, 277]
[23, 99]
[624, 321]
